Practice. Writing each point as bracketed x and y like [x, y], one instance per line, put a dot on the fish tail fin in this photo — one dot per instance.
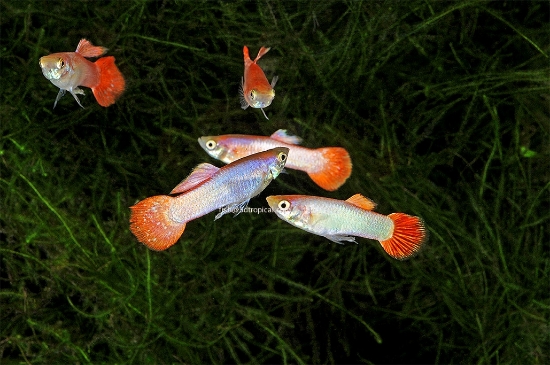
[261, 53]
[246, 54]
[336, 168]
[409, 234]
[150, 223]
[111, 82]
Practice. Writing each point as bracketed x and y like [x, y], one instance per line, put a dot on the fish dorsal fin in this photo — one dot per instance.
[87, 49]
[201, 173]
[362, 202]
[282, 136]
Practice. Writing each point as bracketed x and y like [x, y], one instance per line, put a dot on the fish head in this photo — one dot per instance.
[55, 67]
[291, 208]
[269, 163]
[258, 98]
[277, 161]
[221, 149]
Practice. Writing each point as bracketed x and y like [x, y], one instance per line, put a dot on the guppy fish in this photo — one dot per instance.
[159, 221]
[69, 70]
[255, 90]
[400, 235]
[328, 167]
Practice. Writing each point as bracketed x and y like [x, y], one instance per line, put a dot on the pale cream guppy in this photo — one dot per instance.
[401, 235]
[328, 167]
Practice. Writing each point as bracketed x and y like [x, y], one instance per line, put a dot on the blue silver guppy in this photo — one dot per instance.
[159, 221]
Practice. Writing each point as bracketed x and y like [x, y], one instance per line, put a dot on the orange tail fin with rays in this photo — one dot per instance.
[409, 234]
[150, 223]
[337, 168]
[111, 82]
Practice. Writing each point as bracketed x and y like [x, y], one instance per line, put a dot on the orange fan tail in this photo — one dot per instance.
[261, 53]
[409, 234]
[150, 223]
[111, 82]
[245, 54]
[337, 168]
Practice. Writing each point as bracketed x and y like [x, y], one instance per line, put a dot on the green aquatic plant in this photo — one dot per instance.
[443, 107]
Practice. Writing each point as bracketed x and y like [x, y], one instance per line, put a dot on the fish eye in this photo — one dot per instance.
[211, 144]
[284, 205]
[281, 157]
[252, 94]
[60, 63]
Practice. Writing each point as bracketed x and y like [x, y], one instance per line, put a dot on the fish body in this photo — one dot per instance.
[400, 235]
[328, 167]
[69, 70]
[159, 221]
[256, 91]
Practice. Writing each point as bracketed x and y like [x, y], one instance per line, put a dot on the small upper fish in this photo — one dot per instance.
[159, 221]
[69, 70]
[256, 91]
[400, 235]
[328, 167]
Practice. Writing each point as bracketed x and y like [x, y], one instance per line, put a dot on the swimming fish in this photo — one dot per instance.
[400, 235]
[159, 221]
[69, 70]
[328, 167]
[255, 90]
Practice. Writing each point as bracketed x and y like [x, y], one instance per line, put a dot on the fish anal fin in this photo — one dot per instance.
[75, 91]
[409, 234]
[340, 239]
[282, 136]
[87, 49]
[362, 202]
[201, 173]
[236, 208]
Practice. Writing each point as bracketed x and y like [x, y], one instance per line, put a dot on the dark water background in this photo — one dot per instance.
[443, 107]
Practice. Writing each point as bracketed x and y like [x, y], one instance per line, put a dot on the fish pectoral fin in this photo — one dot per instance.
[59, 96]
[340, 239]
[282, 136]
[244, 103]
[274, 81]
[201, 173]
